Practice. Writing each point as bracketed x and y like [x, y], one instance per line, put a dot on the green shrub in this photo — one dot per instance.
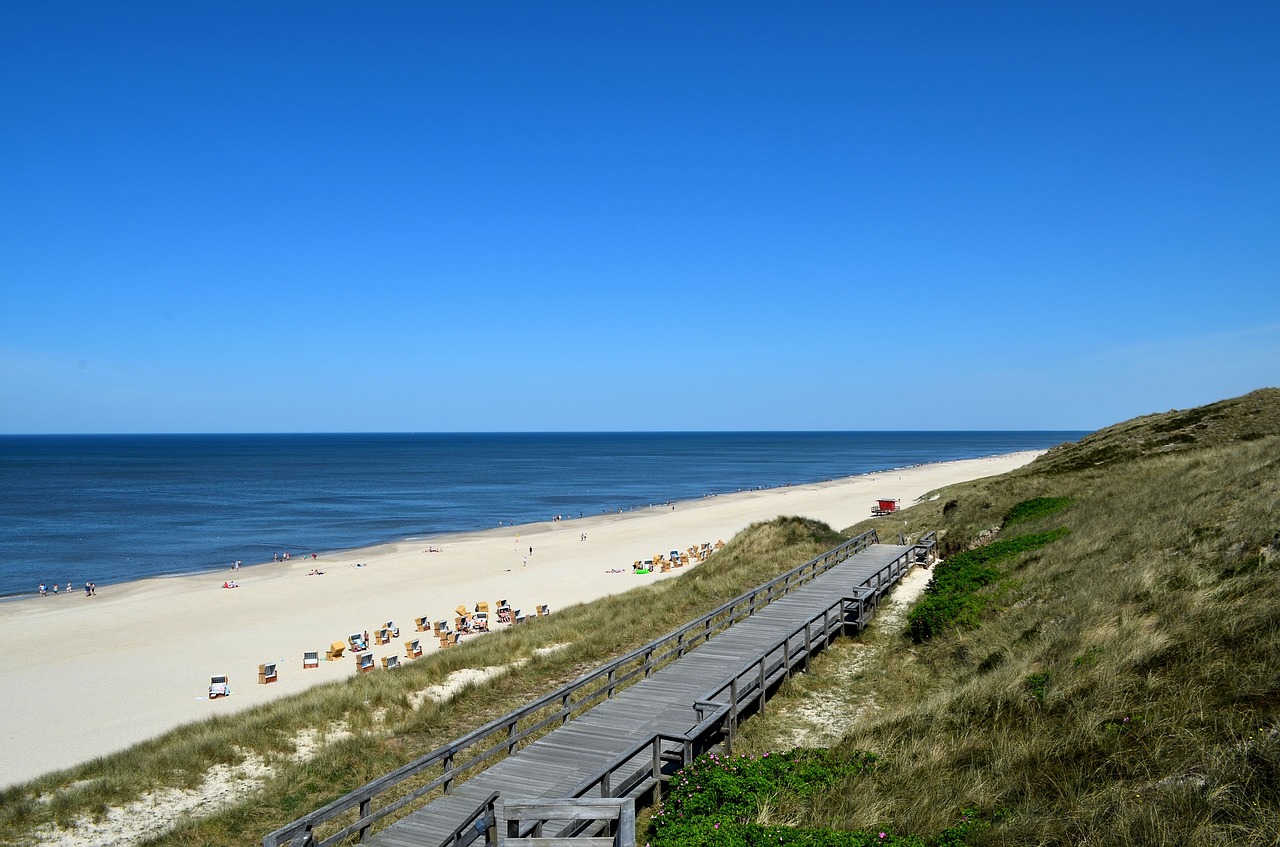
[714, 803]
[1036, 507]
[714, 799]
[1038, 684]
[952, 597]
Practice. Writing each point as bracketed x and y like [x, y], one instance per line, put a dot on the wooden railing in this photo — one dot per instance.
[505, 735]
[520, 822]
[483, 820]
[749, 688]
[639, 770]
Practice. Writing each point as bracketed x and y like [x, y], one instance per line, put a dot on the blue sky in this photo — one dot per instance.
[333, 216]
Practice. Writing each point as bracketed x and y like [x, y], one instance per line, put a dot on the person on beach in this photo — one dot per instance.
[43, 592]
[87, 592]
[55, 588]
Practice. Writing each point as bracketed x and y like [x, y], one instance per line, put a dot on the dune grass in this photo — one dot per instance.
[373, 717]
[1121, 685]
[1117, 685]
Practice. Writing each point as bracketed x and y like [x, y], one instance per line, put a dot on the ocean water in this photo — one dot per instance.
[117, 508]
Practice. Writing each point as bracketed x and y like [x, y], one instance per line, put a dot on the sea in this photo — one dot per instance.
[115, 508]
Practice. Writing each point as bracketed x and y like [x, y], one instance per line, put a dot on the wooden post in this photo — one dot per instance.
[491, 824]
[808, 648]
[366, 806]
[733, 714]
[626, 835]
[657, 769]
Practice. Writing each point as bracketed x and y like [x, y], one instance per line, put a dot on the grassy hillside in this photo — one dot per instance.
[288, 757]
[1117, 685]
[1112, 676]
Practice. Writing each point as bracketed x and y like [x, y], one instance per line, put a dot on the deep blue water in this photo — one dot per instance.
[116, 508]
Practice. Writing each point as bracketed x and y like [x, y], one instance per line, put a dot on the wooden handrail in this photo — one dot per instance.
[759, 673]
[447, 756]
[484, 812]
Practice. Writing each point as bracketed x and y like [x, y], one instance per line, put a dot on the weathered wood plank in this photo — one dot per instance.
[662, 703]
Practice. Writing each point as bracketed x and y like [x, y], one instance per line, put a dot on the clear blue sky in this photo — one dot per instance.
[336, 216]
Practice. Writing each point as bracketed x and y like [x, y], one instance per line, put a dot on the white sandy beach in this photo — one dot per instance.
[91, 675]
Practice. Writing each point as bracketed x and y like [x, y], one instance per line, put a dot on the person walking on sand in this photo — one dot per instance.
[43, 592]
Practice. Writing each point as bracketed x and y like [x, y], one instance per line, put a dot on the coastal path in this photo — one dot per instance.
[584, 753]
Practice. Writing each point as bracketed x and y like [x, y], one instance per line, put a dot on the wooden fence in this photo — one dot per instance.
[505, 735]
[641, 770]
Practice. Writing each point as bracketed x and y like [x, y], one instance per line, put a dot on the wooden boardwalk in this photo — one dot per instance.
[729, 674]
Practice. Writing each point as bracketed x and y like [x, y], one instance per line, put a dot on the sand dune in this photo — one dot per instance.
[91, 675]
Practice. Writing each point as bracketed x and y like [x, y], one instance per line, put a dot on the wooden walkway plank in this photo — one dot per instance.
[557, 763]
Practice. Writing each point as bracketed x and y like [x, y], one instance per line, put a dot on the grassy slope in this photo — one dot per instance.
[1124, 684]
[388, 729]
[1160, 607]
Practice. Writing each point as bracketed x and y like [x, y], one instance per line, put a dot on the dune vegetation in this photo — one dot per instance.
[230, 780]
[1101, 666]
[1119, 684]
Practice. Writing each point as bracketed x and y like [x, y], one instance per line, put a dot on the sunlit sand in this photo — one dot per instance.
[88, 676]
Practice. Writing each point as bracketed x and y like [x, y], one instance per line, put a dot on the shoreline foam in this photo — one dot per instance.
[103, 673]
